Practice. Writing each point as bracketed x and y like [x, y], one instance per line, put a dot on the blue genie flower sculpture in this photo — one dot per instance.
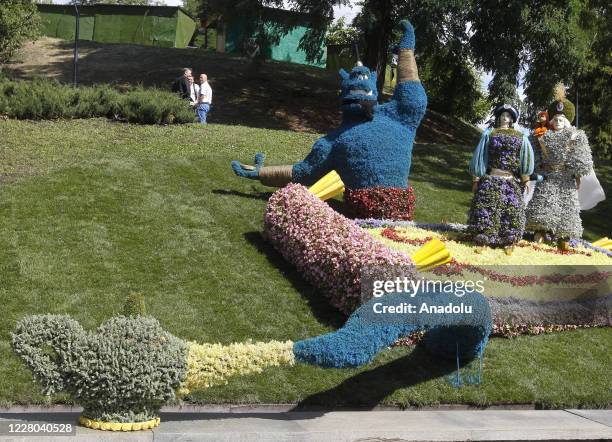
[372, 148]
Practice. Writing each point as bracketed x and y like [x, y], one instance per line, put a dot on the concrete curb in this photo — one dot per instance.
[255, 424]
[271, 408]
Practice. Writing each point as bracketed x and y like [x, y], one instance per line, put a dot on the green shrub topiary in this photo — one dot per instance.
[44, 99]
[122, 372]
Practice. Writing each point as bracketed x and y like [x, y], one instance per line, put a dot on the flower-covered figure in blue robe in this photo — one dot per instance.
[372, 148]
[501, 166]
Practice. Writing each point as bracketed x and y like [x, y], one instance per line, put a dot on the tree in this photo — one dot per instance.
[453, 86]
[441, 32]
[19, 22]
[205, 8]
[376, 22]
[321, 14]
[445, 58]
[557, 45]
[339, 33]
[548, 40]
[115, 2]
[497, 44]
[592, 84]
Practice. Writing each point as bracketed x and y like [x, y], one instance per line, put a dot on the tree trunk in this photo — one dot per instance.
[377, 38]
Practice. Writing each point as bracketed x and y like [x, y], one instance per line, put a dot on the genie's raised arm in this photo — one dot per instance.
[372, 147]
[409, 100]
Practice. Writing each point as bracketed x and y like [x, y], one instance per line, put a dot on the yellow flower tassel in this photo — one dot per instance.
[328, 187]
[432, 254]
[604, 243]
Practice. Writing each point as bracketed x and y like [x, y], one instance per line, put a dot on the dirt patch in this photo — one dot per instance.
[275, 95]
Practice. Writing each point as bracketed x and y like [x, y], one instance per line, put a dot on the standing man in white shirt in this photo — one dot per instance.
[204, 99]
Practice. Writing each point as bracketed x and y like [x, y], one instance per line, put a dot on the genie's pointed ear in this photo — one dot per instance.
[373, 76]
[343, 74]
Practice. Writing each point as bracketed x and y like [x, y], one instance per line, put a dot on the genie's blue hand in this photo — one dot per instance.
[407, 41]
[246, 171]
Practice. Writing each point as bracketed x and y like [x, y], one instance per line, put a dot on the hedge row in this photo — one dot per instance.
[48, 100]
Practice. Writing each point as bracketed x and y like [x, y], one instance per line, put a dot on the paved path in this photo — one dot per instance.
[396, 426]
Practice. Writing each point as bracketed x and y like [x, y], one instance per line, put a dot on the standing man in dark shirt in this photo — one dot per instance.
[181, 84]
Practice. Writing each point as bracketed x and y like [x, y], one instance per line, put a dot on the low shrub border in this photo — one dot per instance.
[44, 99]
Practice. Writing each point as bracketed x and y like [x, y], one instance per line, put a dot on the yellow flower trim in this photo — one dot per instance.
[430, 255]
[118, 426]
[472, 254]
[212, 364]
[328, 187]
[605, 243]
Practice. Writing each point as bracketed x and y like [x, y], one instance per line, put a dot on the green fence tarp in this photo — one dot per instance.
[287, 48]
[184, 29]
[147, 25]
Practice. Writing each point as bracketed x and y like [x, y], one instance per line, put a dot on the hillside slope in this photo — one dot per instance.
[277, 95]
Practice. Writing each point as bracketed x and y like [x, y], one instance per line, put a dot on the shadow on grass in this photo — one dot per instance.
[369, 388]
[265, 196]
[444, 165]
[318, 304]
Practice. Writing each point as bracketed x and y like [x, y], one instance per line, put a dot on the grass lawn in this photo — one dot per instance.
[90, 210]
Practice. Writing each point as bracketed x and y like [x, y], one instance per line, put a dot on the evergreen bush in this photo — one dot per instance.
[44, 99]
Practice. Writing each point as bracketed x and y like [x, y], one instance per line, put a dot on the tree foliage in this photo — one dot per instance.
[118, 2]
[538, 42]
[19, 22]
[453, 86]
[339, 33]
[592, 86]
[442, 50]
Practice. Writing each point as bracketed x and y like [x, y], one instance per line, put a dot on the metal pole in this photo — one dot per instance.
[577, 105]
[75, 68]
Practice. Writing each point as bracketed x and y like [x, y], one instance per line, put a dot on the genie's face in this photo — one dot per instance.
[358, 90]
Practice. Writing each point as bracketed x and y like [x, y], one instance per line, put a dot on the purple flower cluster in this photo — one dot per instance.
[504, 152]
[497, 216]
[587, 244]
[328, 249]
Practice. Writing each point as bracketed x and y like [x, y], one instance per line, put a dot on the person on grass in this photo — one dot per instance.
[194, 92]
[204, 99]
[181, 84]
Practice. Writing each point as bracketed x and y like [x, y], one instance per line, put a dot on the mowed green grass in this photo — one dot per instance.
[91, 210]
